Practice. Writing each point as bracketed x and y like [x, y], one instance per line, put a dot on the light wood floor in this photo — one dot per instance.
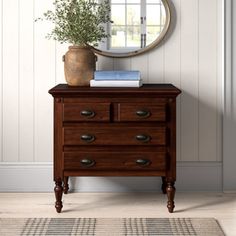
[217, 205]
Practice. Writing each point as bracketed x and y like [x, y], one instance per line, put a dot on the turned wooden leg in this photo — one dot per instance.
[66, 185]
[58, 194]
[170, 190]
[163, 186]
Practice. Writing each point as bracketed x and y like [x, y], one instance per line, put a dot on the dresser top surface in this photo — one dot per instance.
[158, 89]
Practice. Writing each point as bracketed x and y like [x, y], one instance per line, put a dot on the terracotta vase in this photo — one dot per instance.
[79, 65]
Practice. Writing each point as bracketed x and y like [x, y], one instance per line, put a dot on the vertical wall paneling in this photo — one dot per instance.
[44, 60]
[10, 80]
[105, 63]
[229, 132]
[220, 75]
[190, 58]
[26, 80]
[208, 51]
[141, 63]
[172, 49]
[189, 80]
[61, 50]
[122, 63]
[1, 79]
[172, 65]
[155, 65]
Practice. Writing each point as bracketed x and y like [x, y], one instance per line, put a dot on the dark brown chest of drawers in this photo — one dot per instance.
[115, 132]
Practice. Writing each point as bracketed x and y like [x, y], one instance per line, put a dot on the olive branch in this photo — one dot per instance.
[79, 22]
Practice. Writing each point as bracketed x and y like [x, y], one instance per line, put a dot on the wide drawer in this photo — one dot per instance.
[114, 135]
[141, 112]
[86, 112]
[114, 161]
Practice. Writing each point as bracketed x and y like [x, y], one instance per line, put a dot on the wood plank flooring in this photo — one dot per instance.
[217, 205]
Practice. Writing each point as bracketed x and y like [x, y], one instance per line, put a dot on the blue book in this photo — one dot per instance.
[117, 75]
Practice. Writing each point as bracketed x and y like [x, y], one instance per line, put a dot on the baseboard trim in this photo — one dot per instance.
[229, 192]
[37, 177]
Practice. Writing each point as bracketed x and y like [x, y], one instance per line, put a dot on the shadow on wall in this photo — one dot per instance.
[116, 184]
[200, 132]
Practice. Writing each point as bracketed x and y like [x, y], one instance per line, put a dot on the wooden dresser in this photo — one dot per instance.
[115, 132]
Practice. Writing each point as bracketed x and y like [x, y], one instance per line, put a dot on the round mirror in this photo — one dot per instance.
[137, 26]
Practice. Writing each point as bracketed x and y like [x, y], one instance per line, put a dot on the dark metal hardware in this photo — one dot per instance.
[87, 138]
[143, 113]
[87, 162]
[88, 113]
[144, 40]
[143, 162]
[141, 20]
[143, 138]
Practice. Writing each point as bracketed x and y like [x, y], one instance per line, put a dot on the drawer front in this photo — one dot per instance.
[115, 136]
[114, 161]
[141, 112]
[86, 112]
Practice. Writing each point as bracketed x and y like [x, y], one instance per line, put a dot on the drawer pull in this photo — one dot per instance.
[143, 162]
[143, 113]
[143, 138]
[87, 113]
[87, 138]
[87, 162]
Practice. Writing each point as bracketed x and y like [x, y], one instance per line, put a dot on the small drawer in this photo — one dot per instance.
[114, 160]
[141, 112]
[86, 112]
[114, 135]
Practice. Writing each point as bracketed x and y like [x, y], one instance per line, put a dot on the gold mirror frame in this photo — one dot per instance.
[150, 46]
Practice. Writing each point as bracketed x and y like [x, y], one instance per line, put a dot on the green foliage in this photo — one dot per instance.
[80, 22]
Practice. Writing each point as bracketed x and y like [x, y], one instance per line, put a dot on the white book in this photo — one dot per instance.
[116, 83]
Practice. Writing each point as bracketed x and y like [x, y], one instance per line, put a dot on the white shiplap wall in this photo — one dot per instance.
[30, 65]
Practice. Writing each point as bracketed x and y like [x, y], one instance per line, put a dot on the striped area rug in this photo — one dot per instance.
[110, 226]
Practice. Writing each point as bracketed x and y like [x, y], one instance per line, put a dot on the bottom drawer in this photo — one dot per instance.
[114, 160]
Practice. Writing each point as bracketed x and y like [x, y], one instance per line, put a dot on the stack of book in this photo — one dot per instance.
[116, 79]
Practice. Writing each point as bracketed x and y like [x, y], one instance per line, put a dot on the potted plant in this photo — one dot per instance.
[80, 23]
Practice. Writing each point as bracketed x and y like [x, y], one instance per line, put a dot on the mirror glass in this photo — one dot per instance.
[136, 24]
